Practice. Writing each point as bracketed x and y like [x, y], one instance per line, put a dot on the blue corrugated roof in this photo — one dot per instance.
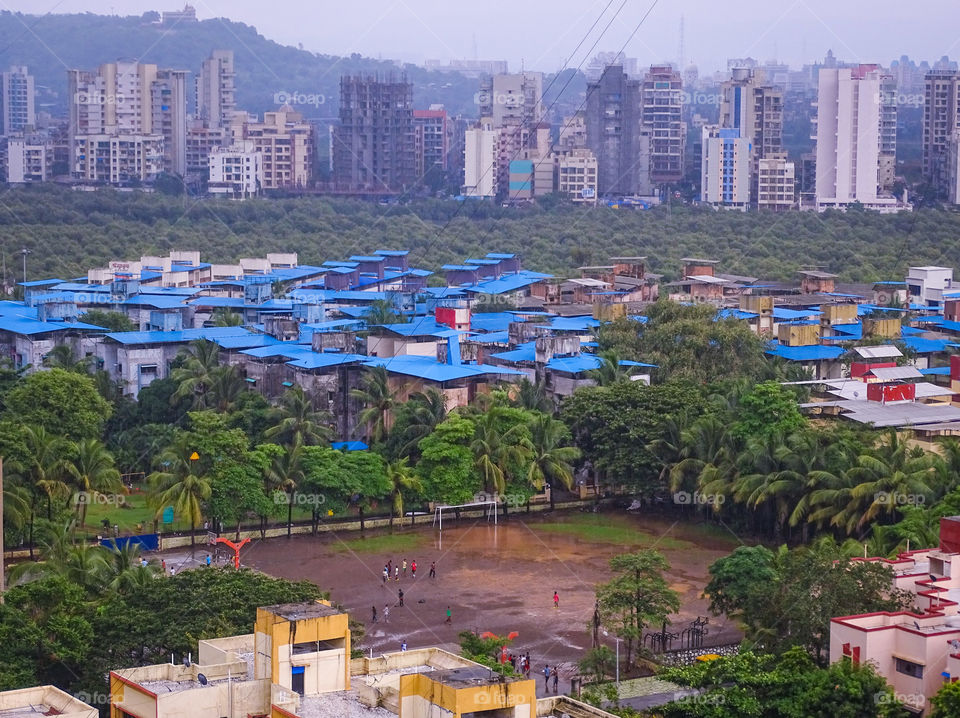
[491, 321]
[932, 319]
[949, 326]
[27, 325]
[925, 346]
[460, 267]
[332, 325]
[349, 446]
[157, 301]
[217, 302]
[863, 309]
[420, 327]
[393, 252]
[185, 335]
[500, 255]
[291, 350]
[523, 352]
[936, 371]
[783, 313]
[322, 360]
[911, 331]
[735, 314]
[507, 283]
[574, 324]
[809, 353]
[491, 338]
[40, 282]
[432, 370]
[246, 341]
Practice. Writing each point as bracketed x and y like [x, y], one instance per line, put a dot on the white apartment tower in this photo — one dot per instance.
[854, 146]
[725, 168]
[216, 96]
[17, 111]
[481, 150]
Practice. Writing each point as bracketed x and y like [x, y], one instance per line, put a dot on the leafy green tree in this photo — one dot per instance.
[778, 614]
[533, 396]
[501, 446]
[767, 410]
[415, 419]
[599, 663]
[613, 426]
[285, 475]
[237, 489]
[223, 317]
[749, 685]
[446, 464]
[63, 357]
[65, 403]
[637, 596]
[114, 321]
[946, 702]
[610, 370]
[338, 479]
[383, 311]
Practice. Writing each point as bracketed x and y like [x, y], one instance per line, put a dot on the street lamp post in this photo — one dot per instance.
[617, 639]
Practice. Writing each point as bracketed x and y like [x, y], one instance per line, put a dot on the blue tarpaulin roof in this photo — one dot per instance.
[185, 335]
[925, 346]
[807, 353]
[574, 324]
[788, 314]
[349, 446]
[432, 370]
[322, 360]
[936, 371]
[507, 283]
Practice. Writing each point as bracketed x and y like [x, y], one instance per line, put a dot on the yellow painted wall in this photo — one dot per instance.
[276, 635]
[882, 327]
[519, 695]
[798, 335]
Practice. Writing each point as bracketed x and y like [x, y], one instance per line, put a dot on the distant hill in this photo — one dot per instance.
[50, 44]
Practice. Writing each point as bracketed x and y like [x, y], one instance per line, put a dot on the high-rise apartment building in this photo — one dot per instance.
[131, 99]
[374, 146]
[480, 160]
[216, 98]
[286, 144]
[577, 172]
[511, 100]
[432, 135]
[941, 119]
[17, 111]
[661, 107]
[616, 134]
[725, 168]
[776, 184]
[854, 146]
[119, 158]
[236, 172]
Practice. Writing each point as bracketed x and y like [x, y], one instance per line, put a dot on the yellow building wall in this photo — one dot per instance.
[798, 335]
[839, 314]
[277, 635]
[757, 305]
[132, 700]
[422, 697]
[882, 328]
[606, 312]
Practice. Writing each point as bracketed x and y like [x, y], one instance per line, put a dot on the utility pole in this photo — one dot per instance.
[2, 576]
[25, 252]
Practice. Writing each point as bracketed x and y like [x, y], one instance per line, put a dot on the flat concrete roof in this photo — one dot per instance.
[301, 611]
[470, 676]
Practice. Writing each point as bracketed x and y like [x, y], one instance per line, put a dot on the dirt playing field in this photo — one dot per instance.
[497, 578]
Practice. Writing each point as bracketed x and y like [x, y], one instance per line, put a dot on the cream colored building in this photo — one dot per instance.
[577, 176]
[43, 701]
[286, 143]
[775, 184]
[117, 158]
[480, 160]
[235, 171]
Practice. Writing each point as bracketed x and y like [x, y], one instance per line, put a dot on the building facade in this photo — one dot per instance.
[286, 143]
[577, 174]
[776, 184]
[117, 158]
[17, 109]
[374, 144]
[130, 98]
[236, 171]
[853, 143]
[661, 97]
[480, 161]
[615, 133]
[28, 161]
[432, 137]
[725, 168]
[941, 120]
[216, 99]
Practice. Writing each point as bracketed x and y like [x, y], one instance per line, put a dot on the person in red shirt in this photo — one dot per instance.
[556, 600]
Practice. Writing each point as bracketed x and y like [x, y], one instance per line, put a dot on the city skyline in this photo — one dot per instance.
[419, 30]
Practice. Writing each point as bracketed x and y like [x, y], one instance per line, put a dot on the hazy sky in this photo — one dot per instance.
[542, 34]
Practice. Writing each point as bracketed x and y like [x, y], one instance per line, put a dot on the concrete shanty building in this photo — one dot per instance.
[926, 285]
[29, 333]
[43, 701]
[466, 692]
[915, 651]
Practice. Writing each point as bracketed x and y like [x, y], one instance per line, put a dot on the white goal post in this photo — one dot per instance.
[438, 510]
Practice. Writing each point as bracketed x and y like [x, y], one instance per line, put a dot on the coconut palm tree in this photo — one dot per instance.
[62, 555]
[195, 375]
[44, 471]
[91, 472]
[62, 356]
[375, 394]
[551, 460]
[427, 409]
[177, 483]
[402, 478]
[496, 451]
[382, 311]
[296, 421]
[533, 396]
[226, 386]
[124, 569]
[224, 317]
[610, 370]
[285, 474]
